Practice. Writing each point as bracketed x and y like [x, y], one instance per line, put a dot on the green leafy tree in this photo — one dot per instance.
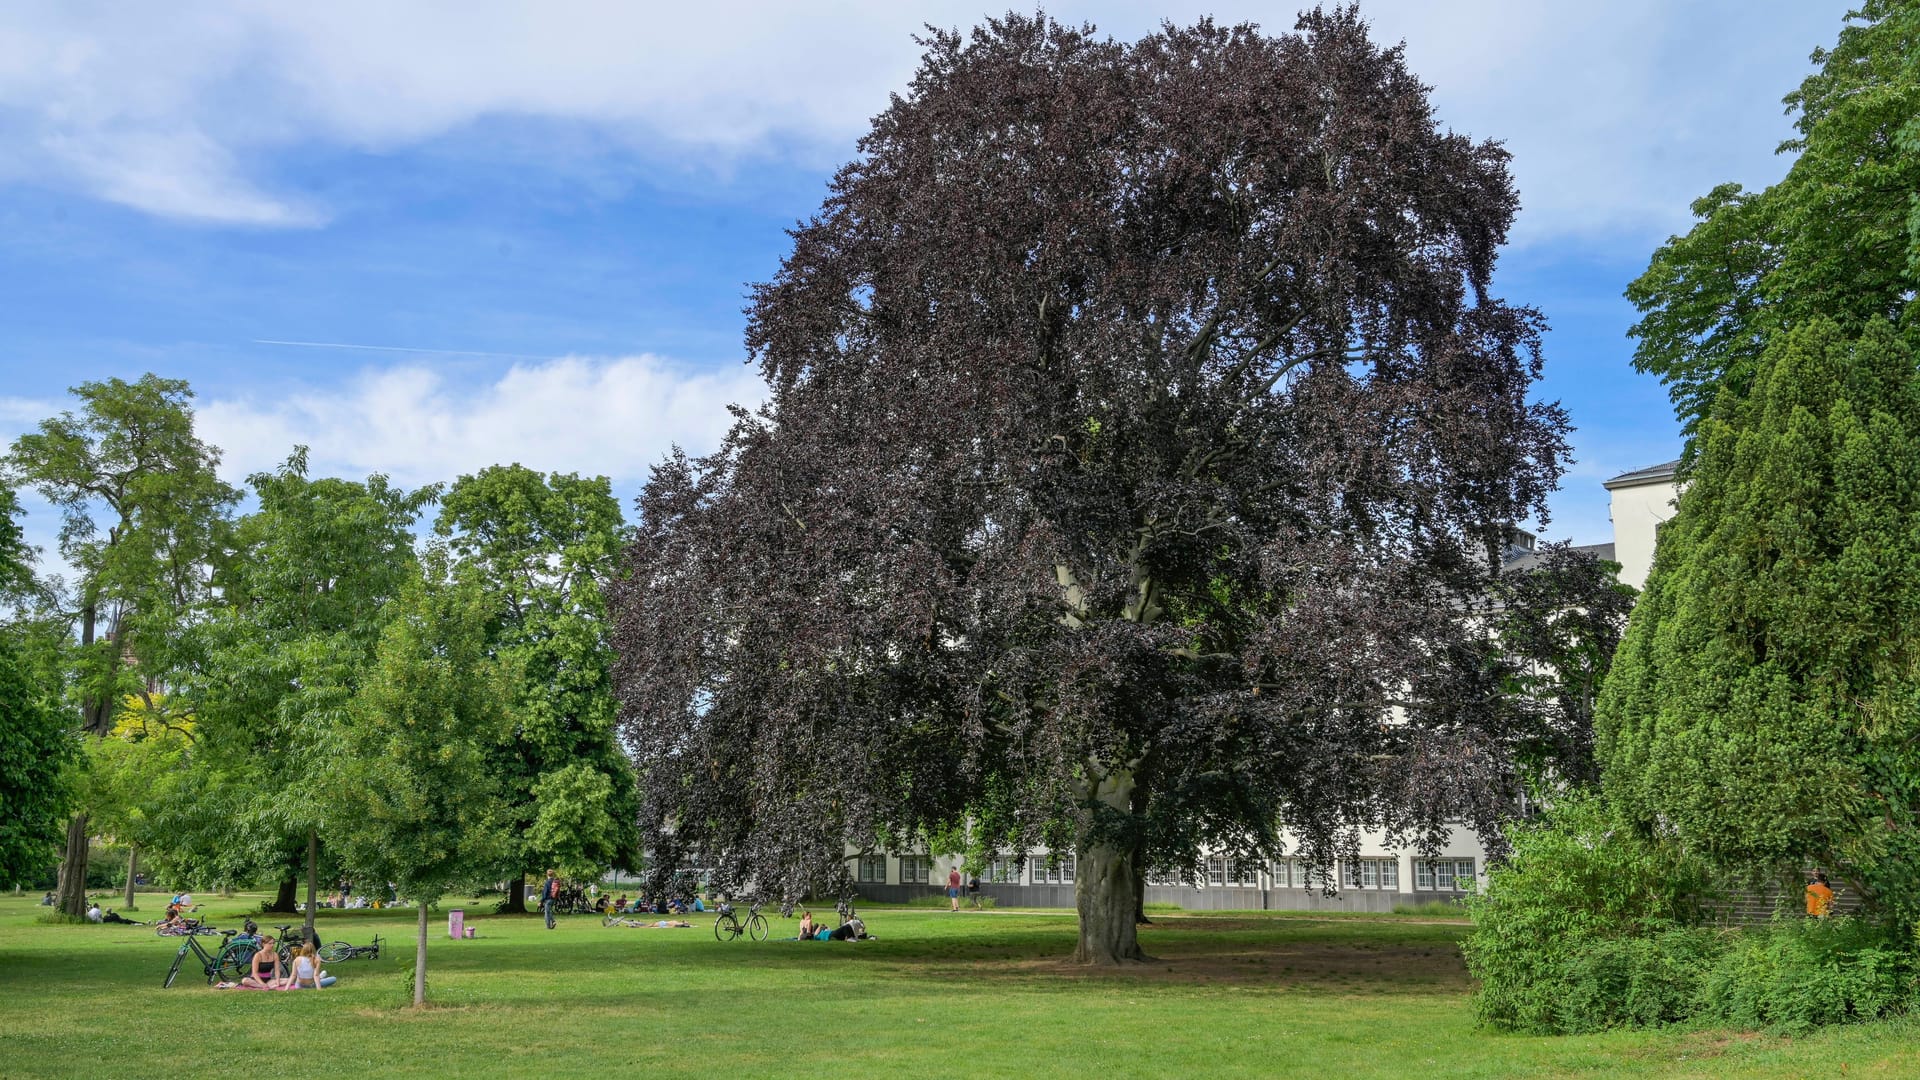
[302, 599]
[37, 747]
[1765, 704]
[541, 550]
[1838, 238]
[411, 795]
[141, 511]
[137, 779]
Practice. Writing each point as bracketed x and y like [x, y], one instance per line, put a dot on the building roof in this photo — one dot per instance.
[1530, 559]
[1652, 474]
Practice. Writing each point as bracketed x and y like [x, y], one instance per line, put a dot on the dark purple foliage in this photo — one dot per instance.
[1140, 412]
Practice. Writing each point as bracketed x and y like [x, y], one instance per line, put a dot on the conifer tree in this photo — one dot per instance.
[1765, 704]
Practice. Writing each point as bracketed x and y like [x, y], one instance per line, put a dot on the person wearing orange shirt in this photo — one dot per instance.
[1819, 896]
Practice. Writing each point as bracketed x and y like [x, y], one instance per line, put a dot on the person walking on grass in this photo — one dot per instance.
[549, 897]
[953, 888]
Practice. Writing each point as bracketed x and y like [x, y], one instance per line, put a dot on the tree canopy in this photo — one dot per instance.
[141, 513]
[1837, 239]
[1766, 701]
[1143, 445]
[541, 549]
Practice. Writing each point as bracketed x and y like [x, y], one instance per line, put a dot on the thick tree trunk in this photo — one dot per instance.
[133, 865]
[1104, 894]
[517, 896]
[313, 870]
[1106, 888]
[70, 893]
[283, 900]
[420, 960]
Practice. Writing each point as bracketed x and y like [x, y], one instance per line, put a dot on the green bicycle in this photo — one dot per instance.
[232, 956]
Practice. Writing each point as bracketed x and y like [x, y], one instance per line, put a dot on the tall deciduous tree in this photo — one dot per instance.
[38, 747]
[542, 549]
[1143, 436]
[302, 599]
[1765, 705]
[141, 508]
[410, 794]
[1837, 239]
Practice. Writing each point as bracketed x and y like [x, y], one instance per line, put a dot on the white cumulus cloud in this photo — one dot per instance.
[414, 423]
[1618, 113]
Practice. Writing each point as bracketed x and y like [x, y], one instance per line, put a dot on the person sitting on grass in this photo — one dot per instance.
[807, 926]
[93, 911]
[306, 971]
[264, 972]
[47, 900]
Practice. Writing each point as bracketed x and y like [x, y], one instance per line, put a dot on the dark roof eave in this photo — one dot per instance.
[1654, 474]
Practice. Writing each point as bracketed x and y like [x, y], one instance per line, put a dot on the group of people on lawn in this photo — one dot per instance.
[302, 971]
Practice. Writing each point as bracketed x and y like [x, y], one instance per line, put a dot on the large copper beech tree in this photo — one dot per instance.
[1142, 442]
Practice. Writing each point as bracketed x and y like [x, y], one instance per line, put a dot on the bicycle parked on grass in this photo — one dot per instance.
[187, 928]
[729, 926]
[230, 958]
[336, 951]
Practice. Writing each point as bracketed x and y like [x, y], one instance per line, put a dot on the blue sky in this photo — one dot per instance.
[560, 203]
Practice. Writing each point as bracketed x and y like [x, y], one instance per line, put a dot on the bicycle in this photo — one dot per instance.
[728, 926]
[188, 928]
[232, 956]
[336, 951]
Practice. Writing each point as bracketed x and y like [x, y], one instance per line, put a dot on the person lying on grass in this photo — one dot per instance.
[666, 924]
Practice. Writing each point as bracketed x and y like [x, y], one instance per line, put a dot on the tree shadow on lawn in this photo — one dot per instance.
[1195, 953]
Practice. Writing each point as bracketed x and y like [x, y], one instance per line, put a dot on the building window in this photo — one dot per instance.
[1301, 874]
[1004, 871]
[1371, 873]
[873, 868]
[1234, 873]
[1443, 875]
[916, 869]
[1057, 871]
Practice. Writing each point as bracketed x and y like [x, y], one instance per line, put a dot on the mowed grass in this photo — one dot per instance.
[974, 994]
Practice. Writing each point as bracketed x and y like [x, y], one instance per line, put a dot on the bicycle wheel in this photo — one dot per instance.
[757, 927]
[174, 971]
[233, 963]
[725, 928]
[335, 951]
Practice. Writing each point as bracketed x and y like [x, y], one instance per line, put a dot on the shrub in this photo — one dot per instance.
[1634, 981]
[1799, 974]
[1556, 919]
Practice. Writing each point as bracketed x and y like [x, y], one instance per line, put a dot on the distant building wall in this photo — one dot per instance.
[1639, 502]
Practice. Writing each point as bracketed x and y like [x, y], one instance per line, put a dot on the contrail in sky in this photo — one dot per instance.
[401, 348]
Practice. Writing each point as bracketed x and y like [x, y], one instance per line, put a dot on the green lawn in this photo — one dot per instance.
[975, 994]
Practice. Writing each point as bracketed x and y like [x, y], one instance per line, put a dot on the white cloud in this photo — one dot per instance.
[1618, 113]
[612, 417]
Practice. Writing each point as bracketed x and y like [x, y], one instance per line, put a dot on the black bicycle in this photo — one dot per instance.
[336, 951]
[229, 957]
[729, 926]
